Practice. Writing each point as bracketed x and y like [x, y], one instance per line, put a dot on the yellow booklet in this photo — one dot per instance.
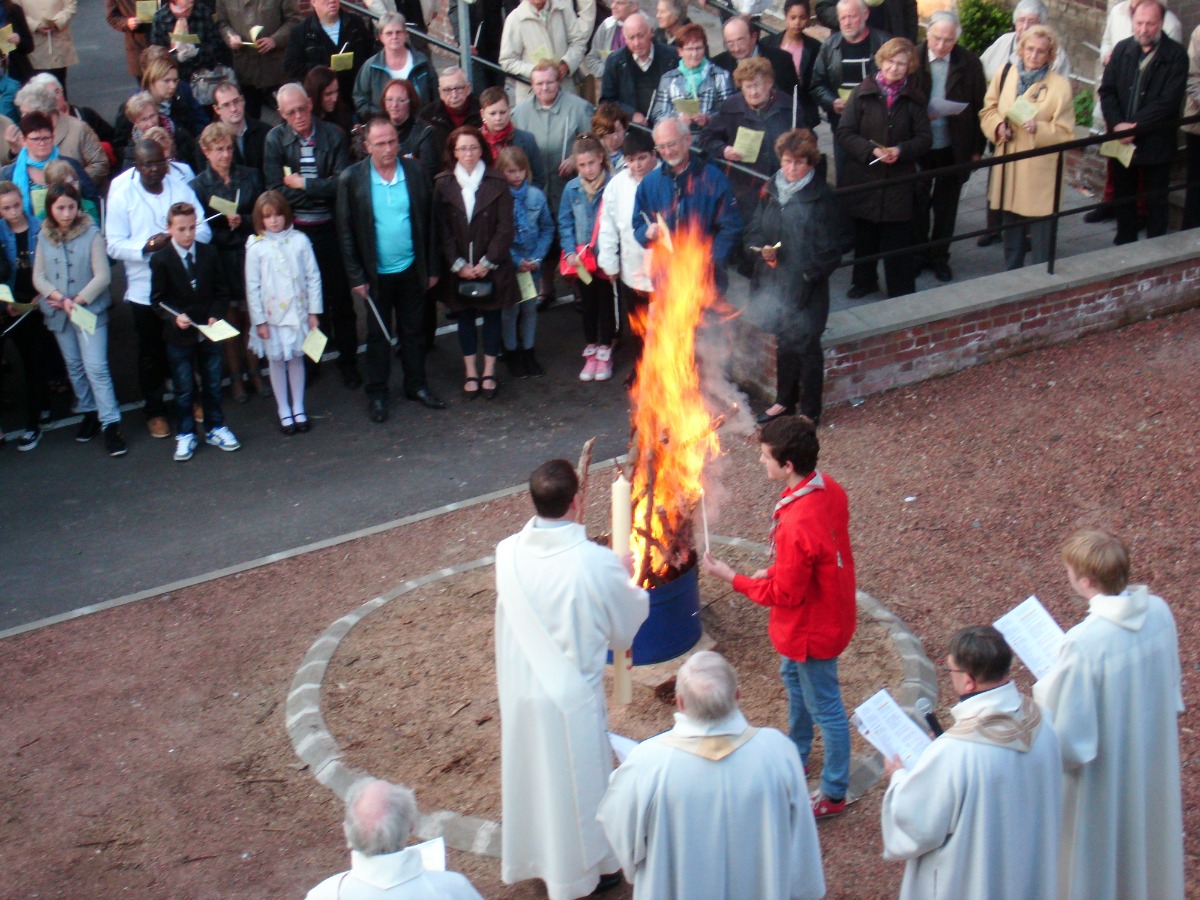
[1122, 153]
[218, 331]
[748, 143]
[84, 318]
[526, 284]
[584, 275]
[185, 38]
[146, 10]
[844, 93]
[5, 33]
[7, 297]
[664, 233]
[687, 106]
[1022, 110]
[342, 62]
[225, 207]
[314, 344]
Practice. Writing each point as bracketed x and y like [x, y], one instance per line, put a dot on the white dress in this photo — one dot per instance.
[283, 288]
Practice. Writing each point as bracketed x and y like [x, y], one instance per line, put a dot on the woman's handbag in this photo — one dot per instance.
[475, 290]
[585, 252]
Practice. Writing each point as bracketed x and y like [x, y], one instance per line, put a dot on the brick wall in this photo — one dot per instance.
[857, 367]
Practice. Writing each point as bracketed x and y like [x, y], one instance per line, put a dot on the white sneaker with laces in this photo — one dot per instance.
[589, 367]
[185, 446]
[222, 438]
[604, 366]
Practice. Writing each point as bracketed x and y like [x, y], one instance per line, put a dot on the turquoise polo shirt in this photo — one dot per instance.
[393, 221]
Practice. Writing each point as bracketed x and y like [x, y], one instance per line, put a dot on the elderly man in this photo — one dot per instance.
[985, 794]
[897, 17]
[455, 106]
[1143, 85]
[741, 42]
[714, 807]
[249, 134]
[303, 157]
[1004, 48]
[947, 72]
[135, 228]
[73, 137]
[608, 37]
[562, 602]
[389, 247]
[554, 118]
[543, 30]
[258, 60]
[379, 819]
[632, 74]
[684, 190]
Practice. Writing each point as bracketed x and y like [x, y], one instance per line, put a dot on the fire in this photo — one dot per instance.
[673, 433]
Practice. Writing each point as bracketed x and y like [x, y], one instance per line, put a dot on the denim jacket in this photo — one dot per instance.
[534, 242]
[577, 214]
[8, 241]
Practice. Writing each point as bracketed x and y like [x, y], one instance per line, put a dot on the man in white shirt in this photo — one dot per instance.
[561, 603]
[714, 807]
[1114, 697]
[379, 819]
[979, 813]
[136, 227]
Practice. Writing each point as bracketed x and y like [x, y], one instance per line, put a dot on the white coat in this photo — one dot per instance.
[1115, 697]
[562, 602]
[686, 826]
[618, 251]
[978, 819]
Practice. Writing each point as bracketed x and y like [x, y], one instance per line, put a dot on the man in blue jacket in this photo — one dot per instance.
[684, 190]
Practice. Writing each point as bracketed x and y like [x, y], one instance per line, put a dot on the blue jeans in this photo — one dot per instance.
[86, 358]
[468, 340]
[204, 357]
[814, 694]
[522, 316]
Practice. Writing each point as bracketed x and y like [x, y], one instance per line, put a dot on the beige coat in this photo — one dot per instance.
[1191, 101]
[55, 50]
[527, 37]
[277, 17]
[74, 138]
[1028, 184]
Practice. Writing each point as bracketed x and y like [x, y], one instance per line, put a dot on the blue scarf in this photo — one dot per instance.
[1026, 80]
[525, 235]
[693, 78]
[21, 175]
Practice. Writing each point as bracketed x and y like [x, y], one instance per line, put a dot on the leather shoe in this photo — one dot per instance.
[942, 272]
[987, 240]
[377, 409]
[426, 398]
[858, 291]
[351, 377]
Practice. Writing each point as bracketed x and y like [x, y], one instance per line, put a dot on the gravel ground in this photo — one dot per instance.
[145, 746]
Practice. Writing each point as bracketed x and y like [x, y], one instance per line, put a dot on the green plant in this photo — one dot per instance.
[982, 22]
[1085, 108]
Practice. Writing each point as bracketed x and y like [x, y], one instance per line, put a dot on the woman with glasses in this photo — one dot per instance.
[396, 61]
[694, 90]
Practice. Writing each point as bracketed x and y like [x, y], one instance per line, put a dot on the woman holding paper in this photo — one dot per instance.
[1027, 106]
[696, 88]
[71, 275]
[53, 46]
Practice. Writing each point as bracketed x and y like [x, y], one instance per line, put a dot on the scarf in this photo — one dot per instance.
[816, 482]
[498, 140]
[469, 182]
[890, 90]
[21, 175]
[592, 188]
[521, 224]
[458, 116]
[789, 189]
[693, 78]
[1026, 80]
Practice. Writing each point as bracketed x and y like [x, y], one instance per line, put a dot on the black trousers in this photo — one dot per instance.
[152, 368]
[939, 203]
[799, 362]
[881, 237]
[29, 338]
[400, 299]
[339, 317]
[1155, 180]
[1191, 203]
[599, 310]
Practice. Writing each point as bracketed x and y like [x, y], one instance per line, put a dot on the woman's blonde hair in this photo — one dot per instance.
[1040, 31]
[894, 48]
[157, 69]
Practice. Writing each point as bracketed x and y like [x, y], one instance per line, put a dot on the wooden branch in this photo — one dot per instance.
[585, 463]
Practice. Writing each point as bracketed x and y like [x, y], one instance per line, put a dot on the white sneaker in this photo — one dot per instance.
[185, 446]
[589, 367]
[222, 438]
[604, 364]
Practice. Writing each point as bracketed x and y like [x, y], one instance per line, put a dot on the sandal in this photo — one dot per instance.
[489, 393]
[470, 394]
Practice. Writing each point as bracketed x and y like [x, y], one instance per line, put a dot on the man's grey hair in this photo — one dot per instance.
[676, 126]
[452, 70]
[292, 87]
[680, 6]
[707, 685]
[640, 15]
[379, 816]
[36, 98]
[1031, 7]
[861, 4]
[946, 15]
[390, 18]
[48, 80]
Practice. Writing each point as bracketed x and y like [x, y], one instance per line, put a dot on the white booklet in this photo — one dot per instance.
[890, 730]
[1033, 635]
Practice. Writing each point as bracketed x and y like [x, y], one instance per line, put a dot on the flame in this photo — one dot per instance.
[673, 431]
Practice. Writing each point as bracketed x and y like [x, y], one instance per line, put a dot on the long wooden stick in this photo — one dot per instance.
[585, 463]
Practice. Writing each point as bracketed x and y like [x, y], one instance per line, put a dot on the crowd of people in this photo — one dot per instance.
[412, 192]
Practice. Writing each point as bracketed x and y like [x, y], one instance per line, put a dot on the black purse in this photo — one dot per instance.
[478, 289]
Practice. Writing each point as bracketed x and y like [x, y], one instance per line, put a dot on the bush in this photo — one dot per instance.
[982, 22]
[1085, 109]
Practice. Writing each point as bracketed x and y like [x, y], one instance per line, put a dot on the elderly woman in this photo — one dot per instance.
[141, 110]
[239, 185]
[794, 243]
[671, 16]
[160, 79]
[757, 108]
[884, 131]
[699, 86]
[1025, 189]
[474, 212]
[395, 61]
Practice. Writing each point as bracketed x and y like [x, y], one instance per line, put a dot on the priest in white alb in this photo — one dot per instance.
[562, 602]
[1115, 696]
[714, 808]
[978, 815]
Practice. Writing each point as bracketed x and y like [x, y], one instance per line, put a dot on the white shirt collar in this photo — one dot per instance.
[388, 869]
[685, 726]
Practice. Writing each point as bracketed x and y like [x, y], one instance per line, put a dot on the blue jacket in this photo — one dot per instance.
[701, 194]
[534, 242]
[577, 214]
[8, 241]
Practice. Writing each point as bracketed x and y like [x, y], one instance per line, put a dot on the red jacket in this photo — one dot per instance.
[810, 587]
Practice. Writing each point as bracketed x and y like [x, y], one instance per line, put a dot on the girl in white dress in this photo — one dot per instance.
[283, 292]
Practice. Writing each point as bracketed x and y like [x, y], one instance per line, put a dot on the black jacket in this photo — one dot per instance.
[964, 84]
[356, 222]
[780, 60]
[896, 17]
[619, 84]
[811, 115]
[251, 153]
[332, 155]
[435, 116]
[309, 46]
[1157, 97]
[245, 186]
[171, 284]
[827, 72]
[721, 132]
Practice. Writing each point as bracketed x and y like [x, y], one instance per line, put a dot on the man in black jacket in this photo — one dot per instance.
[631, 74]
[897, 17]
[1144, 83]
[741, 42]
[303, 158]
[947, 72]
[384, 214]
[249, 134]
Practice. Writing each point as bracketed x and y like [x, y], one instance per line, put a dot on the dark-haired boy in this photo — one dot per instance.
[188, 286]
[811, 594]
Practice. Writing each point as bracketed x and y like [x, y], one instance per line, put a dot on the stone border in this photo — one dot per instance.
[314, 744]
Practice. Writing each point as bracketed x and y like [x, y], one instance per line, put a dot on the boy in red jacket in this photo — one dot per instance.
[810, 591]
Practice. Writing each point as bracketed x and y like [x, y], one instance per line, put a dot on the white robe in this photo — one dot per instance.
[393, 876]
[977, 819]
[1115, 696]
[688, 827]
[562, 602]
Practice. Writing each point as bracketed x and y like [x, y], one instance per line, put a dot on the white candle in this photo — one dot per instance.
[704, 517]
[622, 514]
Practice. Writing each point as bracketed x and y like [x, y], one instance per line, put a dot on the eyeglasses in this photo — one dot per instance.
[468, 148]
[232, 104]
[397, 101]
[294, 111]
[38, 138]
[669, 145]
[949, 670]
[456, 89]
